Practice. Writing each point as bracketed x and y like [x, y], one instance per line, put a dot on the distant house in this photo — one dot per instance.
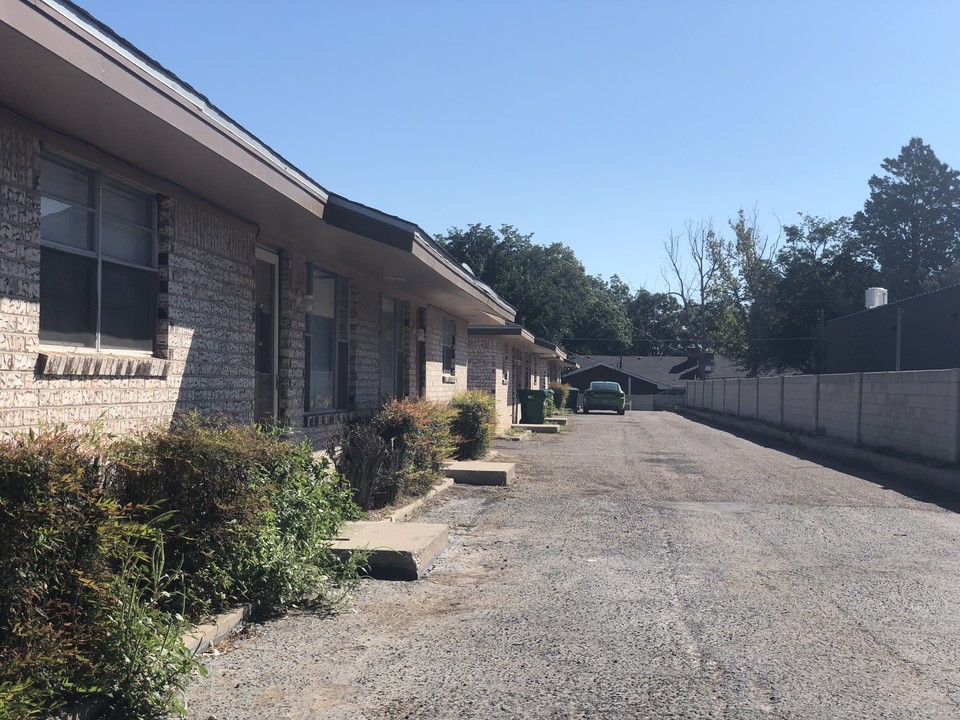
[917, 333]
[156, 257]
[507, 358]
[647, 375]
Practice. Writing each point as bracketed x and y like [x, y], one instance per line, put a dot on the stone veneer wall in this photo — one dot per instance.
[205, 334]
[441, 387]
[366, 348]
[291, 350]
[486, 372]
[210, 306]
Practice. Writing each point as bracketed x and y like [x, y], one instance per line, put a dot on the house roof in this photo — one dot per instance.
[85, 90]
[519, 336]
[669, 370]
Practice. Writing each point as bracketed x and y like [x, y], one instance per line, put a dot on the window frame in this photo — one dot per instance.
[98, 178]
[340, 396]
[451, 368]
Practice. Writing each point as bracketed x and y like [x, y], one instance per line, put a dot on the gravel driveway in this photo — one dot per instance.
[641, 566]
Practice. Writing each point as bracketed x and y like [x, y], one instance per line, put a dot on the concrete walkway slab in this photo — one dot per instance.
[398, 551]
[547, 428]
[476, 472]
[557, 420]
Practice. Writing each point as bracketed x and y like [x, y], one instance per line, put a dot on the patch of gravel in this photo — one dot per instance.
[640, 566]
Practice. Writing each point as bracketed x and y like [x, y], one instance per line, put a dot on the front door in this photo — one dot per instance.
[265, 362]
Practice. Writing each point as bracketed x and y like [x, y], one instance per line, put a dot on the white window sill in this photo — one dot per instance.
[450, 379]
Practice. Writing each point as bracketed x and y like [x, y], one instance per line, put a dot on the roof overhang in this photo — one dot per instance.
[513, 334]
[73, 77]
[406, 262]
[558, 352]
[82, 88]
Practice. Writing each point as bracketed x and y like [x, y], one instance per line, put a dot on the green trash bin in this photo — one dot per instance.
[532, 406]
[572, 399]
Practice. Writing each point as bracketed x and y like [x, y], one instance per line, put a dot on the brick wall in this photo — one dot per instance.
[486, 372]
[204, 334]
[366, 348]
[20, 281]
[291, 351]
[441, 387]
[210, 304]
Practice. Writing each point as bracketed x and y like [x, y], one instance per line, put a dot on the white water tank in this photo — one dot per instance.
[875, 297]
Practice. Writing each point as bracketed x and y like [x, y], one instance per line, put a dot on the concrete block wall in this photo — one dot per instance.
[839, 411]
[731, 396]
[716, 395]
[748, 397]
[916, 412]
[770, 402]
[800, 397]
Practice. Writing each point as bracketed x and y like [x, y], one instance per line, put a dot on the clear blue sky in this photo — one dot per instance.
[601, 125]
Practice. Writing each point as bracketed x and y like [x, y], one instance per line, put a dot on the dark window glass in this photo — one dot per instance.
[128, 310]
[449, 345]
[88, 219]
[68, 292]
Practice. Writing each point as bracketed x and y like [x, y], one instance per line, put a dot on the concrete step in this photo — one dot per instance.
[548, 428]
[557, 420]
[476, 472]
[398, 551]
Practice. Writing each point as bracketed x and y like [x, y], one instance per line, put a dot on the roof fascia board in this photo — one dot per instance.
[79, 23]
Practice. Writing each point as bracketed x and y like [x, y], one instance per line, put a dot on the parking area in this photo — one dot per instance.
[640, 566]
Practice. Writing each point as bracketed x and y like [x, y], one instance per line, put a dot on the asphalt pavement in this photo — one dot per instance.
[644, 566]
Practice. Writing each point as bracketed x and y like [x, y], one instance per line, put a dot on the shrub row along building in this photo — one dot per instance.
[155, 257]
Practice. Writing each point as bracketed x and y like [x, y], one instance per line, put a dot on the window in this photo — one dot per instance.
[325, 341]
[98, 259]
[391, 347]
[449, 343]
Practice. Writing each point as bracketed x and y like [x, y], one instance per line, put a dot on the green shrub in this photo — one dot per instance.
[418, 431]
[474, 423]
[70, 559]
[252, 515]
[561, 391]
[363, 457]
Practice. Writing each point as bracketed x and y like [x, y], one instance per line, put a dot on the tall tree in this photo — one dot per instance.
[748, 278]
[911, 221]
[695, 269]
[822, 273]
[554, 297]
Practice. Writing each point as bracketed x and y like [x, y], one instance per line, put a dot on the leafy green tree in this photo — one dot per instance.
[554, 296]
[657, 321]
[822, 272]
[911, 221]
[746, 294]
